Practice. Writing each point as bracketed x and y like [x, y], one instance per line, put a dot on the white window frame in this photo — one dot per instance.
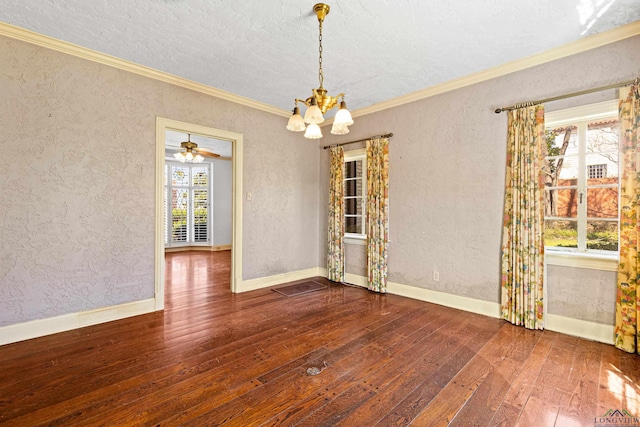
[574, 257]
[350, 156]
[190, 188]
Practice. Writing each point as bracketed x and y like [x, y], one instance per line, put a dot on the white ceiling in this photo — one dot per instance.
[268, 50]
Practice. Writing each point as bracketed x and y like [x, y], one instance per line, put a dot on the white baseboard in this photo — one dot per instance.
[580, 328]
[487, 308]
[491, 309]
[565, 325]
[198, 248]
[265, 282]
[66, 322]
[37, 328]
[355, 279]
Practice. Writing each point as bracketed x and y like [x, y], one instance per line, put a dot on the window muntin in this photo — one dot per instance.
[355, 193]
[581, 193]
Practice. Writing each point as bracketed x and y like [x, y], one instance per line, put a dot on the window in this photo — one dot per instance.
[581, 179]
[597, 171]
[355, 193]
[186, 196]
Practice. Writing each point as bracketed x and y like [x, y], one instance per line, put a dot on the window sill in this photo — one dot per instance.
[591, 260]
[355, 240]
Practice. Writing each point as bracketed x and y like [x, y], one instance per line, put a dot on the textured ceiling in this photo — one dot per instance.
[268, 50]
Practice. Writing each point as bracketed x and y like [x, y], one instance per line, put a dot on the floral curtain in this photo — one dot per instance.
[377, 213]
[523, 223]
[335, 240]
[627, 299]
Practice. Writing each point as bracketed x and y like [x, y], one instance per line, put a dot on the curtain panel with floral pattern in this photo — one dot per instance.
[335, 239]
[523, 223]
[377, 213]
[627, 299]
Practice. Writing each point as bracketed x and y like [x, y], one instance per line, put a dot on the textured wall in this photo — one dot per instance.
[447, 161]
[582, 294]
[222, 198]
[356, 259]
[77, 216]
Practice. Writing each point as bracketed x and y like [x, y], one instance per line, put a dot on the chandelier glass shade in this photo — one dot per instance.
[320, 102]
[313, 131]
[338, 129]
[296, 123]
[313, 114]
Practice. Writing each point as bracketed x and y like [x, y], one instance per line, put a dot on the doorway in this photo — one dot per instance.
[163, 127]
[197, 193]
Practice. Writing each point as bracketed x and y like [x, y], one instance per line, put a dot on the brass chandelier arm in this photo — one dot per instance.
[325, 102]
[322, 100]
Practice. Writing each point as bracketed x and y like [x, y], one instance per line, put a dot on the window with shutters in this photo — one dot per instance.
[187, 204]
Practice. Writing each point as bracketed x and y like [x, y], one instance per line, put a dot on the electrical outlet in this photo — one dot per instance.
[249, 196]
[436, 276]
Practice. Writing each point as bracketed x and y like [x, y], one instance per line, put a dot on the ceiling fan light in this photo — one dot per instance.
[338, 129]
[343, 116]
[178, 156]
[296, 123]
[313, 131]
[198, 158]
[189, 156]
[313, 113]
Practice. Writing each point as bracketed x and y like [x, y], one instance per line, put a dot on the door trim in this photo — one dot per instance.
[162, 125]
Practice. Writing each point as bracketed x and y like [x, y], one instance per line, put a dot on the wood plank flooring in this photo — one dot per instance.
[215, 358]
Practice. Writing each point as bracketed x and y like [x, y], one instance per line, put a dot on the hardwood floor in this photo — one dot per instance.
[215, 358]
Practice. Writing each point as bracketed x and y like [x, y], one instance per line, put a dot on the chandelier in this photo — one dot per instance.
[188, 155]
[319, 102]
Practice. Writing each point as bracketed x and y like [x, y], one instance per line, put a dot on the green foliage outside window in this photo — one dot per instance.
[566, 236]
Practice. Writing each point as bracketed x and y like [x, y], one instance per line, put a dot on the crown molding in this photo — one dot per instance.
[28, 36]
[582, 45]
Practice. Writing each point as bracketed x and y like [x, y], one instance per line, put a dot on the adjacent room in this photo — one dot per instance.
[298, 213]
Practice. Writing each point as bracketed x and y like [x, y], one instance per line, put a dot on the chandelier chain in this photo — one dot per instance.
[320, 73]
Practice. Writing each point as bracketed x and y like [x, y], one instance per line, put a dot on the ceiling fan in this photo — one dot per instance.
[191, 153]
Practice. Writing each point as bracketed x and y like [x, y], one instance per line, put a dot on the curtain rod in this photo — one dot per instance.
[386, 135]
[569, 95]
